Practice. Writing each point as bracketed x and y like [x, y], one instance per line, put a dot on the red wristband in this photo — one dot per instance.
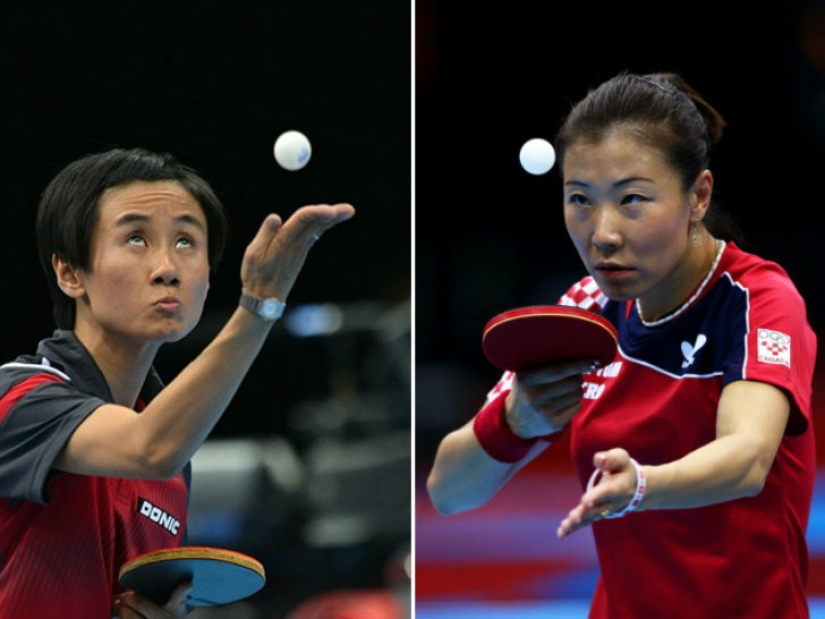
[495, 436]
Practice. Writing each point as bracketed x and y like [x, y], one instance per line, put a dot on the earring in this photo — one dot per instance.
[694, 234]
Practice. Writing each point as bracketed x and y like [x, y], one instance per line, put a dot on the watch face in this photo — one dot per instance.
[269, 309]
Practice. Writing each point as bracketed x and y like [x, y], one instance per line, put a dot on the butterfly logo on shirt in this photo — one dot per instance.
[689, 351]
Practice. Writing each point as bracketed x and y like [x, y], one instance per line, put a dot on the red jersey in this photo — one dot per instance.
[63, 537]
[745, 558]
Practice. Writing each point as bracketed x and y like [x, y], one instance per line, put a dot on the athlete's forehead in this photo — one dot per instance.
[142, 200]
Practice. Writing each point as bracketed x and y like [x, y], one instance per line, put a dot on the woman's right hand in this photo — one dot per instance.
[544, 399]
[130, 605]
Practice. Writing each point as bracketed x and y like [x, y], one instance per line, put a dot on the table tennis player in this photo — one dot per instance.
[694, 446]
[95, 448]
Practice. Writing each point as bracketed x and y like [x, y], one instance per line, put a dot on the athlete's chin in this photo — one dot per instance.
[171, 331]
[616, 290]
[174, 337]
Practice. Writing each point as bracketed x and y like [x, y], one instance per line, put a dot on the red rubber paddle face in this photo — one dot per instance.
[540, 334]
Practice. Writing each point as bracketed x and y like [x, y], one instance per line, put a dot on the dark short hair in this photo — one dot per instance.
[68, 210]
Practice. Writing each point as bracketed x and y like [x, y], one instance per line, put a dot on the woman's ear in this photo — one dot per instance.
[701, 193]
[68, 278]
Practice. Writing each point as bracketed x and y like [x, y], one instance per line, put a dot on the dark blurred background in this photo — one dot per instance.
[490, 237]
[309, 469]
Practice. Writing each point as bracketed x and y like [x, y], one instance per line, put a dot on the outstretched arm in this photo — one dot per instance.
[751, 421]
[157, 443]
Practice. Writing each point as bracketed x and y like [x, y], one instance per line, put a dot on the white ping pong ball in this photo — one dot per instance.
[292, 150]
[537, 156]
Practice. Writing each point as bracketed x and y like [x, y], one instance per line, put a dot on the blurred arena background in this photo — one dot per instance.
[309, 469]
[490, 237]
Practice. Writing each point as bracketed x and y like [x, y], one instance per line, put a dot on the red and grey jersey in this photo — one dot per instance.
[658, 399]
[63, 537]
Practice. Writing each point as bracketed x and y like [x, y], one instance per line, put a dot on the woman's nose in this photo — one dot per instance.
[166, 271]
[606, 232]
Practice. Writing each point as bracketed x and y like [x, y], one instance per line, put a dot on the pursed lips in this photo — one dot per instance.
[168, 304]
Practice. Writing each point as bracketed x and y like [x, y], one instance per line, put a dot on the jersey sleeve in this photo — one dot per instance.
[584, 294]
[504, 384]
[38, 413]
[780, 343]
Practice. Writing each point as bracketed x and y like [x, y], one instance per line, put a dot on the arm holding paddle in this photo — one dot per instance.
[541, 402]
[544, 351]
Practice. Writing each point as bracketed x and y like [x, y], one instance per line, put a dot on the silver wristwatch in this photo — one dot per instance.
[268, 309]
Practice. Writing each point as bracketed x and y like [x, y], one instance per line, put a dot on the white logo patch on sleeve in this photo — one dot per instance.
[773, 347]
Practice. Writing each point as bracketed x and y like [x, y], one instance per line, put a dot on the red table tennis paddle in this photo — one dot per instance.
[218, 576]
[539, 334]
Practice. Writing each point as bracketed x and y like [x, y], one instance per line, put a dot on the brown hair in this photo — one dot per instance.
[662, 110]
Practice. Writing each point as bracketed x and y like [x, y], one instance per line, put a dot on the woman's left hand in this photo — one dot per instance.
[612, 493]
[274, 258]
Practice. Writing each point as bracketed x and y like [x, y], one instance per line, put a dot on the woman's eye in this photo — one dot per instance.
[577, 199]
[135, 239]
[185, 242]
[633, 198]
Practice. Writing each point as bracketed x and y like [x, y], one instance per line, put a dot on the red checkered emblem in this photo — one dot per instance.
[774, 347]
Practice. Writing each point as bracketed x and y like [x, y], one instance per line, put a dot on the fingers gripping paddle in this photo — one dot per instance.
[535, 335]
[218, 576]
